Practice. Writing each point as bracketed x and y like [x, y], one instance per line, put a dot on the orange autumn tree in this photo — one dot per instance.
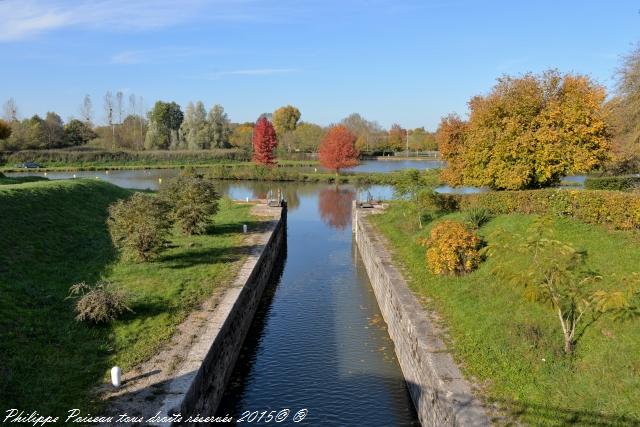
[450, 140]
[264, 142]
[337, 149]
[529, 132]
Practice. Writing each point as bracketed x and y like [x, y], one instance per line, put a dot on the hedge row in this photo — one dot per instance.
[262, 173]
[611, 208]
[101, 156]
[614, 183]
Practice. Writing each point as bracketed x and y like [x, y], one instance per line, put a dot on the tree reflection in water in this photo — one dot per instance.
[334, 205]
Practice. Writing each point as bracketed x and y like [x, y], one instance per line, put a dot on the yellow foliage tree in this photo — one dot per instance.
[529, 132]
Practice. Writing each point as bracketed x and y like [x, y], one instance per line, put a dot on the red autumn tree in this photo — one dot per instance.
[264, 142]
[337, 149]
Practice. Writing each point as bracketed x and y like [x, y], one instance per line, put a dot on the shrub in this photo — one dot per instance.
[193, 200]
[613, 183]
[452, 248]
[100, 303]
[614, 209]
[477, 217]
[139, 225]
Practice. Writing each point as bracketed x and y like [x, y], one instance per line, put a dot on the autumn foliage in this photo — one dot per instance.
[528, 132]
[337, 149]
[452, 248]
[264, 142]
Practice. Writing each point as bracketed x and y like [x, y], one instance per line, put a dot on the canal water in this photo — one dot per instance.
[318, 343]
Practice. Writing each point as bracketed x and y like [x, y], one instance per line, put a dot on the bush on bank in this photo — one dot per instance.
[614, 209]
[612, 183]
[452, 248]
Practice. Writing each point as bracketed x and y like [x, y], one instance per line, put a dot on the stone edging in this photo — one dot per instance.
[440, 393]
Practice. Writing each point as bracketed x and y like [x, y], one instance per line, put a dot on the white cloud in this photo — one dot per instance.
[159, 55]
[23, 19]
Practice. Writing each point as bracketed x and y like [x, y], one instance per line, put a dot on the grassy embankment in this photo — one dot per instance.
[513, 347]
[249, 172]
[92, 159]
[53, 235]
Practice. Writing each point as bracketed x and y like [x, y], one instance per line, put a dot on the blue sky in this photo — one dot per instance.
[400, 61]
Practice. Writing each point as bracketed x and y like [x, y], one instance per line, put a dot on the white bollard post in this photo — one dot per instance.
[244, 228]
[116, 373]
[45, 174]
[159, 180]
[247, 200]
[74, 176]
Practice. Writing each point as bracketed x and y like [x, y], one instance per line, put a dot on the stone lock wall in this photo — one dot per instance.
[200, 390]
[439, 392]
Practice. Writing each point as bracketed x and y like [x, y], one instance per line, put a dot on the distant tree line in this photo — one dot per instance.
[129, 126]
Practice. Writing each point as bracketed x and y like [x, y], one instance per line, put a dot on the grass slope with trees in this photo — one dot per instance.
[54, 235]
[512, 347]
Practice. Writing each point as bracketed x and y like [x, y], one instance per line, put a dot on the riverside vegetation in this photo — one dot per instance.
[500, 308]
[64, 239]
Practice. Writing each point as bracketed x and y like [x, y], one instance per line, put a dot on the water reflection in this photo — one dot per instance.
[334, 205]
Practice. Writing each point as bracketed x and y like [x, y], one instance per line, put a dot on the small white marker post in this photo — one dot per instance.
[74, 176]
[244, 228]
[247, 199]
[115, 376]
[160, 180]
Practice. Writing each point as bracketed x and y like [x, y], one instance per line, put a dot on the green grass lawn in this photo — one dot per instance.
[53, 235]
[7, 180]
[513, 347]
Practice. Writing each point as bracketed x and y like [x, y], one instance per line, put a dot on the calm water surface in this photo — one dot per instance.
[318, 341]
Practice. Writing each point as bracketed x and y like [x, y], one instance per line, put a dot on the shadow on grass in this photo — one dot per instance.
[222, 229]
[52, 237]
[536, 414]
[196, 256]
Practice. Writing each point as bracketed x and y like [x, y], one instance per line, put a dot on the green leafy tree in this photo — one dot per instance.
[5, 130]
[219, 128]
[194, 127]
[193, 199]
[78, 133]
[139, 225]
[421, 140]
[53, 129]
[556, 274]
[417, 188]
[164, 123]
[307, 137]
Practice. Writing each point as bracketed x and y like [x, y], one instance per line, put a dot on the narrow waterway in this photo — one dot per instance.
[318, 342]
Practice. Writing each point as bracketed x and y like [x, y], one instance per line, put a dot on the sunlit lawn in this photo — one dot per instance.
[53, 235]
[513, 347]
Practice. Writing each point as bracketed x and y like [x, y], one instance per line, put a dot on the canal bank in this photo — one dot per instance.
[189, 376]
[440, 393]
